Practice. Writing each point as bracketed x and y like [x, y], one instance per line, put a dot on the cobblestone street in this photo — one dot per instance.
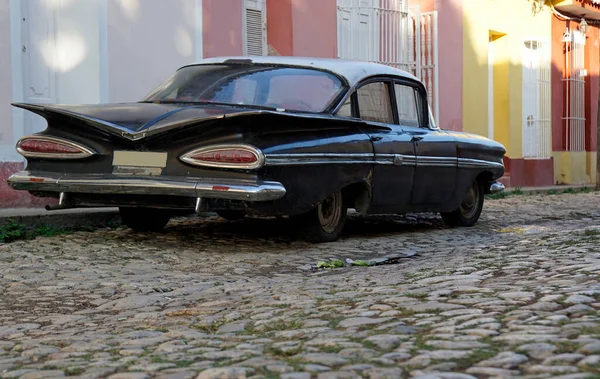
[515, 296]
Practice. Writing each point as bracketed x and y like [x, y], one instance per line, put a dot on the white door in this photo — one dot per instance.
[536, 99]
[531, 93]
[38, 53]
[358, 30]
[491, 89]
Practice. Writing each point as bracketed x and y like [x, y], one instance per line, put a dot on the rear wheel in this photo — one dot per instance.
[145, 219]
[469, 210]
[324, 223]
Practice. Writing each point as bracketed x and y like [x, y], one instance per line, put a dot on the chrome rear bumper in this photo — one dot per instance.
[495, 187]
[150, 185]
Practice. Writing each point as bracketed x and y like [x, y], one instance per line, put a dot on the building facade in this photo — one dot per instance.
[575, 69]
[520, 71]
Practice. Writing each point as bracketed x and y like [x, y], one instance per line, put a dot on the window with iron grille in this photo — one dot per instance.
[536, 111]
[254, 27]
[388, 32]
[574, 82]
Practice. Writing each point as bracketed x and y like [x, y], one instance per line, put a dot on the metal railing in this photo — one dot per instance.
[388, 32]
[574, 80]
[536, 109]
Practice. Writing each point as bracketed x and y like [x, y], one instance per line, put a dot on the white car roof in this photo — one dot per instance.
[352, 71]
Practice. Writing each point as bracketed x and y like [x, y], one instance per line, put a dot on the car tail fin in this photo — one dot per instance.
[48, 112]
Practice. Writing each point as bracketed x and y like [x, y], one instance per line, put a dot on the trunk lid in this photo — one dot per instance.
[135, 121]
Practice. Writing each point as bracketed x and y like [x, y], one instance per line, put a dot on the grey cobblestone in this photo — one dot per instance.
[518, 295]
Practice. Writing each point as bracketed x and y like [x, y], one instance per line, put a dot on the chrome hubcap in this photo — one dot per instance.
[468, 208]
[330, 212]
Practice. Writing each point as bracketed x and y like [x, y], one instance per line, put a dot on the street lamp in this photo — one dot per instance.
[583, 26]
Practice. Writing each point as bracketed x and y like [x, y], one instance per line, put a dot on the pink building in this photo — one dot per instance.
[69, 51]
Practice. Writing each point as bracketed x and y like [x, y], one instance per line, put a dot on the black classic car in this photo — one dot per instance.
[263, 136]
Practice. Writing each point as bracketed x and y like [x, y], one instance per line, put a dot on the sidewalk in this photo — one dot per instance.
[556, 188]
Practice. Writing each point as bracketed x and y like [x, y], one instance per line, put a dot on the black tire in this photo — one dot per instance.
[469, 211]
[231, 215]
[145, 219]
[324, 223]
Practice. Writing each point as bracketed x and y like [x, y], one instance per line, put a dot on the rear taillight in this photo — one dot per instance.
[226, 156]
[51, 148]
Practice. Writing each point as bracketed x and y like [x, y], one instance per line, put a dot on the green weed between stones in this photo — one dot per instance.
[282, 325]
[518, 191]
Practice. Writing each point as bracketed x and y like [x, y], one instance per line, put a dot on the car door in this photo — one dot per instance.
[394, 152]
[436, 169]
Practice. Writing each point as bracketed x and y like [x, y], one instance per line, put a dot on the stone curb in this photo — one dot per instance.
[557, 188]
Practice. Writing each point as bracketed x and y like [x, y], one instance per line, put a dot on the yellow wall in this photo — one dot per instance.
[511, 22]
[574, 167]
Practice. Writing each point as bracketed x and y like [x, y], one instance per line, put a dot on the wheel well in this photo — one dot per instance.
[485, 177]
[358, 196]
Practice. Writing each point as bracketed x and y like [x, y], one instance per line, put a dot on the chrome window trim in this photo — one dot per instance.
[85, 151]
[260, 157]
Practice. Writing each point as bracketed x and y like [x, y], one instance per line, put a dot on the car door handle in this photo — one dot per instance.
[416, 138]
[376, 138]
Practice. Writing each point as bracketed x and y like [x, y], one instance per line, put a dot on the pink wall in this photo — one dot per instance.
[592, 51]
[450, 56]
[314, 28]
[222, 27]
[450, 45]
[303, 27]
[424, 5]
[6, 134]
[279, 32]
[557, 87]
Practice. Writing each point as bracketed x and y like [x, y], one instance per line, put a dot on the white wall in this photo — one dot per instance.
[78, 71]
[6, 122]
[147, 41]
[105, 51]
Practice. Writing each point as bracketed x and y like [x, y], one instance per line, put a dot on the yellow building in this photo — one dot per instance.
[507, 88]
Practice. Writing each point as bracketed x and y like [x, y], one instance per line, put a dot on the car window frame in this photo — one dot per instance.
[424, 102]
[424, 122]
[377, 79]
[417, 102]
[328, 109]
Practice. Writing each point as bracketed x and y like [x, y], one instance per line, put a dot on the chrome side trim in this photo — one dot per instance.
[85, 151]
[156, 185]
[396, 159]
[478, 163]
[260, 158]
[317, 158]
[383, 159]
[429, 161]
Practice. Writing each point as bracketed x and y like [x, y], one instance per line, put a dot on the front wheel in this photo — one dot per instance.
[324, 223]
[469, 210]
[145, 219]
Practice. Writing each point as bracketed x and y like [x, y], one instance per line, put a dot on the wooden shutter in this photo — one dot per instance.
[255, 33]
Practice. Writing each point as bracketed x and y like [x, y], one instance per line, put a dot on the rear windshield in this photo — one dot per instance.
[289, 88]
